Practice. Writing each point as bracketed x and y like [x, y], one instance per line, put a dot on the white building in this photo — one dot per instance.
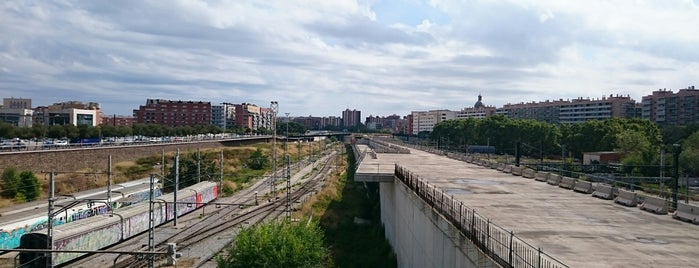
[17, 111]
[425, 121]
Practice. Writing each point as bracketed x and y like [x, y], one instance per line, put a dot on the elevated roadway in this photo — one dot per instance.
[573, 229]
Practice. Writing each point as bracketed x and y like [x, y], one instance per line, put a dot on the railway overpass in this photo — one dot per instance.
[443, 212]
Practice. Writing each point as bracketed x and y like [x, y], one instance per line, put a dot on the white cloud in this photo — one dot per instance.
[320, 57]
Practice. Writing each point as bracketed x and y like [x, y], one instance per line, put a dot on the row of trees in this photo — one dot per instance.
[80, 132]
[8, 130]
[639, 141]
[541, 137]
[21, 186]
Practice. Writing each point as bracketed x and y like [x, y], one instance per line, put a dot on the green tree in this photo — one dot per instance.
[632, 143]
[278, 244]
[257, 160]
[39, 130]
[7, 130]
[10, 182]
[29, 186]
[57, 132]
[294, 128]
[22, 186]
[689, 157]
[188, 171]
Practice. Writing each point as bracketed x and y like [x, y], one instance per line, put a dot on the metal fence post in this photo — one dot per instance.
[511, 238]
[487, 236]
[473, 219]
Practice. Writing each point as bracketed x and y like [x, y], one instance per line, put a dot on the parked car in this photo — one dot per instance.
[61, 142]
[14, 144]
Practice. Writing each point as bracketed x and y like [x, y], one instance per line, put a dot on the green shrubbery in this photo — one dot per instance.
[278, 244]
[22, 187]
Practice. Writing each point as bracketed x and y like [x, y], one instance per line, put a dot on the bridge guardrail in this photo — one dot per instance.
[501, 245]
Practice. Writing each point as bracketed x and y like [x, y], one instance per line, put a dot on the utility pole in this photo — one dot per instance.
[286, 139]
[177, 182]
[49, 231]
[288, 187]
[151, 221]
[162, 164]
[198, 166]
[220, 178]
[275, 109]
[676, 176]
[109, 182]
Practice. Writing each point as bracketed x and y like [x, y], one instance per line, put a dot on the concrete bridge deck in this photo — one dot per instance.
[577, 229]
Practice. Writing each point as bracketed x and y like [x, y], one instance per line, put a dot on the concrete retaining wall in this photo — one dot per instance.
[420, 236]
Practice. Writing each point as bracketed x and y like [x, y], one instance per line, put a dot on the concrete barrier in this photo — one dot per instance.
[554, 179]
[517, 171]
[542, 176]
[626, 198]
[528, 173]
[493, 164]
[501, 167]
[508, 169]
[603, 191]
[582, 186]
[567, 182]
[654, 204]
[687, 212]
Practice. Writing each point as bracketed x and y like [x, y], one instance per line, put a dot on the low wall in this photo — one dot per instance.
[96, 158]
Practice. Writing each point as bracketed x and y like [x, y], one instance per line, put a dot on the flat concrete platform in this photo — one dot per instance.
[373, 169]
[577, 229]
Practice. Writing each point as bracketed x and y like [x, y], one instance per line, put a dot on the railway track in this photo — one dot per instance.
[265, 212]
[208, 234]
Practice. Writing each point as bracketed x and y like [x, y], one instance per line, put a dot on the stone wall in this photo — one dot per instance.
[96, 158]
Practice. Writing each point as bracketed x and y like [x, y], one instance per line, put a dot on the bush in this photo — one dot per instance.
[10, 182]
[30, 188]
[21, 187]
[278, 244]
[257, 160]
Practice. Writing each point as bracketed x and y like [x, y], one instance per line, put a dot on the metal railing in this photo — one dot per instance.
[501, 245]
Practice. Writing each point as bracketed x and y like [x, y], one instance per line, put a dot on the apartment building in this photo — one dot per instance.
[351, 118]
[253, 117]
[573, 111]
[667, 108]
[223, 115]
[173, 113]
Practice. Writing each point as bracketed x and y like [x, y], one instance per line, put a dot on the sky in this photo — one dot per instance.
[321, 57]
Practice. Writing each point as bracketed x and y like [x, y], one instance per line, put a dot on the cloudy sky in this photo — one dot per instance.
[321, 57]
